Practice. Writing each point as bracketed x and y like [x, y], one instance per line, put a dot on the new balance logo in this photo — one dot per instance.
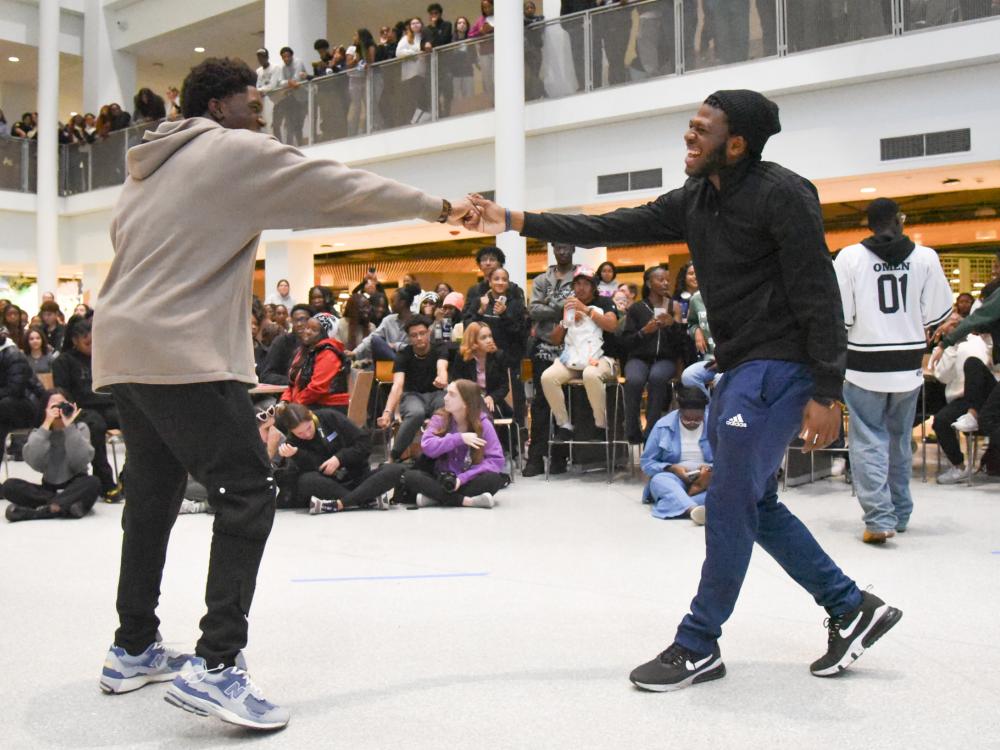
[234, 690]
[736, 421]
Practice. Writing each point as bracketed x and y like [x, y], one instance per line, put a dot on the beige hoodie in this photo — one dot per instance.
[176, 304]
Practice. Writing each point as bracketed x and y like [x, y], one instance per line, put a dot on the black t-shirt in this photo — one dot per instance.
[420, 371]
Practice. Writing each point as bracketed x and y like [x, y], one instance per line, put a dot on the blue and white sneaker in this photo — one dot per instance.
[226, 693]
[123, 673]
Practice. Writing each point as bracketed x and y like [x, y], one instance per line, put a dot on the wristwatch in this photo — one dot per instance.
[445, 211]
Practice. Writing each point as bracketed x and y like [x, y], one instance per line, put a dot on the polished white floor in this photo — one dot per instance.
[565, 587]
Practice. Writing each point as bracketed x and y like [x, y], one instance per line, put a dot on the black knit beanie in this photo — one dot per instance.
[750, 114]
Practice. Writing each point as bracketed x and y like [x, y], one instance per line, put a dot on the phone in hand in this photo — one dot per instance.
[693, 474]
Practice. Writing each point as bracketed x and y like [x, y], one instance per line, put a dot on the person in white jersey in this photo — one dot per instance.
[892, 290]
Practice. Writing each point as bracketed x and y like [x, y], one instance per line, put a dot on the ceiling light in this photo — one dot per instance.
[869, 190]
[340, 244]
[199, 49]
[13, 59]
[956, 271]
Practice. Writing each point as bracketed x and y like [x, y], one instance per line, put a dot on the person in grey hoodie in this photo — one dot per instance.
[182, 397]
[60, 450]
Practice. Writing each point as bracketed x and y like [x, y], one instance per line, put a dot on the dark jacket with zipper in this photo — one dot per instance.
[72, 372]
[764, 270]
[496, 374]
[664, 343]
[338, 436]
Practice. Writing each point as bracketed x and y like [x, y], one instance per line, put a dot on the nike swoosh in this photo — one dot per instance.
[852, 627]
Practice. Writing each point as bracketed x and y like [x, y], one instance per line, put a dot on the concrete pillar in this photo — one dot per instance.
[108, 75]
[296, 24]
[287, 260]
[47, 211]
[509, 149]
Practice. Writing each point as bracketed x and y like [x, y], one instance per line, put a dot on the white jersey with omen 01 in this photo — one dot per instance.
[887, 307]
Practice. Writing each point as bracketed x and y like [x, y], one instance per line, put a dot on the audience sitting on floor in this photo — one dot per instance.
[462, 460]
[71, 371]
[678, 460]
[330, 456]
[59, 449]
[587, 336]
[419, 377]
[320, 372]
[654, 340]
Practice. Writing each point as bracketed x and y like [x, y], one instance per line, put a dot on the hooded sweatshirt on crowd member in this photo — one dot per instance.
[320, 371]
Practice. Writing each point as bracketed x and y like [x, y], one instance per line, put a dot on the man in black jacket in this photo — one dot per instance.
[18, 388]
[278, 360]
[755, 231]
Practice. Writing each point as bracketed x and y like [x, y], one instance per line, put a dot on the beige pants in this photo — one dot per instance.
[594, 378]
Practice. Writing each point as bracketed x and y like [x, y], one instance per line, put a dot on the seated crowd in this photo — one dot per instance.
[456, 363]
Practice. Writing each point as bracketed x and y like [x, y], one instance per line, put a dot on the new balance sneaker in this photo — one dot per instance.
[678, 668]
[318, 505]
[953, 475]
[849, 635]
[123, 673]
[226, 693]
[698, 515]
[966, 423]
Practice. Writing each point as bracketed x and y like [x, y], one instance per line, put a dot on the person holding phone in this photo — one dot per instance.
[60, 449]
[678, 460]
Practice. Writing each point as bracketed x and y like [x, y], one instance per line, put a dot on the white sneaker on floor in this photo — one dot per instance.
[966, 423]
[954, 475]
[425, 502]
[837, 467]
[482, 500]
[193, 506]
[698, 515]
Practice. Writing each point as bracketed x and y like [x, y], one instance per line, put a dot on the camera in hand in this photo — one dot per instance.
[67, 409]
[448, 480]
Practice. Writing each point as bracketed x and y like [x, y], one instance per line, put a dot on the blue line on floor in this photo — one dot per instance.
[390, 578]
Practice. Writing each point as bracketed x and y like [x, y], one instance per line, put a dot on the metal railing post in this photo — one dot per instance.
[435, 86]
[679, 37]
[898, 17]
[781, 18]
[25, 167]
[369, 100]
[310, 112]
[588, 54]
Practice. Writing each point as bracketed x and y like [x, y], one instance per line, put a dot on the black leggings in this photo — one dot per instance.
[352, 493]
[82, 488]
[417, 481]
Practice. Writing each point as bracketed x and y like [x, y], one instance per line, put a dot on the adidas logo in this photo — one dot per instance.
[736, 421]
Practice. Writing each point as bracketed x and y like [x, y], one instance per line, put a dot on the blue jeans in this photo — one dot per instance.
[637, 374]
[879, 435]
[670, 497]
[699, 376]
[742, 505]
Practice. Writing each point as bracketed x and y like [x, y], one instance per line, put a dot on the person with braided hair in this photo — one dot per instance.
[320, 371]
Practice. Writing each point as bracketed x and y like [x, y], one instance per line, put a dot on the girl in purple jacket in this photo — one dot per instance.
[468, 459]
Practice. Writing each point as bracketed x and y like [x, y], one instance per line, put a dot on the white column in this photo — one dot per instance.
[509, 118]
[108, 75]
[286, 260]
[296, 24]
[47, 212]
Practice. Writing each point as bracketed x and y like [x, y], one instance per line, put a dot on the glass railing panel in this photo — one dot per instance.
[335, 102]
[465, 77]
[12, 165]
[923, 14]
[822, 23]
[289, 115]
[554, 63]
[402, 92]
[722, 32]
[75, 165]
[632, 42]
[107, 160]
[32, 166]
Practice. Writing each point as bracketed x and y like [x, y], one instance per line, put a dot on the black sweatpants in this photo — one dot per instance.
[207, 430]
[82, 488]
[353, 494]
[417, 481]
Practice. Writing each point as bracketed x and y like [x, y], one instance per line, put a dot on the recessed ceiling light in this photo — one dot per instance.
[199, 49]
[869, 190]
[340, 244]
[13, 59]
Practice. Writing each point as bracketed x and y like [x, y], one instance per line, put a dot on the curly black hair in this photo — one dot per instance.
[214, 78]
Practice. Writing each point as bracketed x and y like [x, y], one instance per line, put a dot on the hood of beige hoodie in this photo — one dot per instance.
[160, 144]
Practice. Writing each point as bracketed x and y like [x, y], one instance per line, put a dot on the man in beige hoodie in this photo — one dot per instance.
[181, 387]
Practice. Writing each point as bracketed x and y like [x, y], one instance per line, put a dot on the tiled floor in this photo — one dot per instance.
[517, 628]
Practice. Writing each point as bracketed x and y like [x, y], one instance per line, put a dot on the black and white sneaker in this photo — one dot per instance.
[851, 634]
[678, 668]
